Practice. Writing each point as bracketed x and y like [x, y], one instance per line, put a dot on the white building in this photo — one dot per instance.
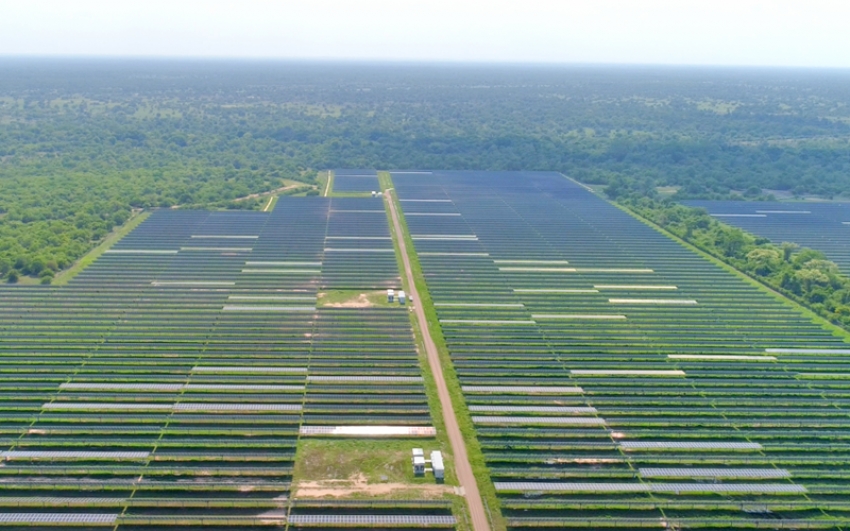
[418, 462]
[437, 465]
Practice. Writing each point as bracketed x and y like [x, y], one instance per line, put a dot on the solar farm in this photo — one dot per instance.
[616, 379]
[821, 226]
[168, 385]
[611, 377]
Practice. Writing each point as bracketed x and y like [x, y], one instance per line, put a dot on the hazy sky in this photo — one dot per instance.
[717, 32]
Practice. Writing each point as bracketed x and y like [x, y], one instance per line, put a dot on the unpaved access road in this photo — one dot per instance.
[462, 466]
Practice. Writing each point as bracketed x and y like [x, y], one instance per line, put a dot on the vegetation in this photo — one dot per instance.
[82, 143]
[330, 464]
[803, 274]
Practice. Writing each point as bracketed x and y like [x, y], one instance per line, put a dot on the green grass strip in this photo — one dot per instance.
[464, 419]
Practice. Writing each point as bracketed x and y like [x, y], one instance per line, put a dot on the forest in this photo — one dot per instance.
[85, 143]
[802, 274]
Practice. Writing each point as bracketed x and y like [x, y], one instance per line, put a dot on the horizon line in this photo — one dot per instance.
[397, 61]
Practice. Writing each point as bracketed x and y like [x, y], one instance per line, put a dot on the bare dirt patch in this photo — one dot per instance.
[362, 301]
[353, 299]
[358, 486]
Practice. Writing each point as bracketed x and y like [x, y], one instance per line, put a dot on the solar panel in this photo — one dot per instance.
[282, 263]
[453, 254]
[93, 406]
[807, 350]
[9, 501]
[140, 251]
[242, 387]
[720, 357]
[548, 390]
[235, 308]
[357, 238]
[371, 519]
[224, 237]
[555, 290]
[538, 269]
[216, 249]
[632, 287]
[478, 305]
[369, 431]
[669, 445]
[539, 262]
[445, 237]
[248, 368]
[18, 454]
[588, 421]
[626, 372]
[192, 283]
[714, 472]
[577, 316]
[364, 378]
[176, 387]
[269, 298]
[357, 250]
[57, 518]
[673, 302]
[487, 322]
[533, 409]
[283, 271]
[730, 488]
[424, 200]
[120, 387]
[237, 407]
[105, 406]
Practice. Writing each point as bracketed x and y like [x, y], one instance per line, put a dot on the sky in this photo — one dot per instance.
[792, 33]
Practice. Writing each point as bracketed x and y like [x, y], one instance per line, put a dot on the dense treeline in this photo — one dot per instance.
[801, 273]
[84, 143]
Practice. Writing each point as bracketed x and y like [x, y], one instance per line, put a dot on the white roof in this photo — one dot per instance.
[436, 460]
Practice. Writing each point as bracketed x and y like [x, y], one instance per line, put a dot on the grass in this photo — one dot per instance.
[26, 281]
[355, 299]
[65, 276]
[378, 460]
[326, 180]
[464, 420]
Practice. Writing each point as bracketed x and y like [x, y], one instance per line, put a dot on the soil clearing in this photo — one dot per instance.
[360, 302]
[357, 485]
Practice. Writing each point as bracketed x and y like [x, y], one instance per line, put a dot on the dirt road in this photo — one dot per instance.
[462, 466]
[270, 192]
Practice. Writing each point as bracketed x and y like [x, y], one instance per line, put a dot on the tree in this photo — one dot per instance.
[788, 249]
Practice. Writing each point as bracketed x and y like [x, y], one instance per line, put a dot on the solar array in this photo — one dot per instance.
[355, 181]
[548, 298]
[134, 382]
[821, 226]
[370, 520]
